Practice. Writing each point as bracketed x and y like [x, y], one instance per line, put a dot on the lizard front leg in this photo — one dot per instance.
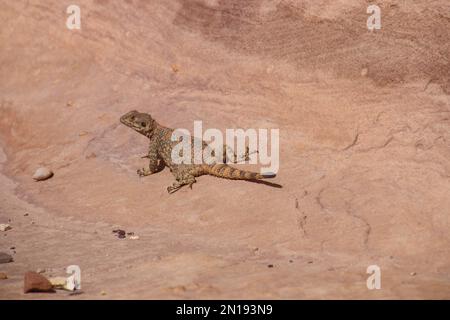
[155, 163]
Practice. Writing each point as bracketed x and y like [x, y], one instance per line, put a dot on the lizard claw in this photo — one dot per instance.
[171, 189]
[140, 172]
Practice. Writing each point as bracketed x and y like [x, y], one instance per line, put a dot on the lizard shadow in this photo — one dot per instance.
[267, 183]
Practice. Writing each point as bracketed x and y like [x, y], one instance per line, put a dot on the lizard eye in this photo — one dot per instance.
[143, 124]
[132, 118]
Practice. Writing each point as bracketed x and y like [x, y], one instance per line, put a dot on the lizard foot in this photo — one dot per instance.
[178, 185]
[173, 189]
[143, 172]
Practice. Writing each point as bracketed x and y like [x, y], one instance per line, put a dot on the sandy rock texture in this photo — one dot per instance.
[364, 121]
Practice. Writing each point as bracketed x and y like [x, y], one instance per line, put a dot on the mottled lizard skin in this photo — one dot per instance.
[160, 155]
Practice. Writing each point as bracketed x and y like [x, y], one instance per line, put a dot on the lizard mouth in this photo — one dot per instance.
[131, 124]
[127, 119]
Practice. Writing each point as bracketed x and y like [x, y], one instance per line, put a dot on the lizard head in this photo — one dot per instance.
[140, 122]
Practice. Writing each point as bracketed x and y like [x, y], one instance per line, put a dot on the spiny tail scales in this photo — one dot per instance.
[161, 149]
[225, 171]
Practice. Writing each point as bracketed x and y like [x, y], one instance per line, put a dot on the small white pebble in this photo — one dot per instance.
[134, 237]
[412, 274]
[42, 174]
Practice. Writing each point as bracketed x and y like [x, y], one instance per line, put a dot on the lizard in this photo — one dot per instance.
[160, 155]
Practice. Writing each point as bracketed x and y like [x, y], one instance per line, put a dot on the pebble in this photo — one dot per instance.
[134, 237]
[175, 68]
[364, 72]
[270, 265]
[5, 227]
[103, 293]
[42, 174]
[5, 258]
[59, 283]
[412, 274]
[34, 282]
[178, 289]
[40, 270]
[3, 276]
[120, 233]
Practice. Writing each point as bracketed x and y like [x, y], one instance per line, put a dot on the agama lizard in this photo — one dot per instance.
[160, 155]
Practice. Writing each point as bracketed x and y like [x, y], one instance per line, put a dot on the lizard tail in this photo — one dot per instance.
[225, 171]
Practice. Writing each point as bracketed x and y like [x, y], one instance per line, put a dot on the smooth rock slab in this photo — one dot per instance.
[34, 282]
[42, 174]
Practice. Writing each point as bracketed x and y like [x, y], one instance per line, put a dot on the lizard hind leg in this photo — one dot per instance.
[235, 159]
[182, 180]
